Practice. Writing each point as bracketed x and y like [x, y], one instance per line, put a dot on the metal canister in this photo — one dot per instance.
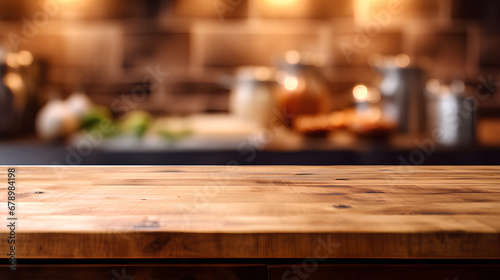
[403, 92]
[252, 96]
[456, 121]
[453, 115]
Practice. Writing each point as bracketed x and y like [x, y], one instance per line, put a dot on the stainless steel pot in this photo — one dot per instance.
[452, 114]
[403, 93]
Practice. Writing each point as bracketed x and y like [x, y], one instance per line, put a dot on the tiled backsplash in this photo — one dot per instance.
[108, 41]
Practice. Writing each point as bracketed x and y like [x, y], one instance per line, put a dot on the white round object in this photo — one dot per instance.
[55, 120]
[79, 104]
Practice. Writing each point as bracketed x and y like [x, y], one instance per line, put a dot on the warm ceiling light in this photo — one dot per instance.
[360, 92]
[364, 9]
[281, 2]
[291, 83]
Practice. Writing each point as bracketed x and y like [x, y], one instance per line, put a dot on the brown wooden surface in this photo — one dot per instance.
[255, 212]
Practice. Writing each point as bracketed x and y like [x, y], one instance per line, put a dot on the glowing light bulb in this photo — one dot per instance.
[360, 93]
[433, 86]
[291, 83]
[402, 60]
[14, 81]
[25, 58]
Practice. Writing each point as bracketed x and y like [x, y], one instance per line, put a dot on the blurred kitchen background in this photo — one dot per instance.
[249, 82]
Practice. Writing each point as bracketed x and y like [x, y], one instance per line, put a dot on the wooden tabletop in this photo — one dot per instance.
[255, 212]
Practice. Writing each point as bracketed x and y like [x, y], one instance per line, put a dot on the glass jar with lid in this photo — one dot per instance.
[304, 89]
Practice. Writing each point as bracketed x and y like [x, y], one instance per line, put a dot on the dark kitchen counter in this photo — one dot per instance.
[35, 153]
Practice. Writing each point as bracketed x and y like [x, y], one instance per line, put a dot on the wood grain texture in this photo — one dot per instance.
[256, 212]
